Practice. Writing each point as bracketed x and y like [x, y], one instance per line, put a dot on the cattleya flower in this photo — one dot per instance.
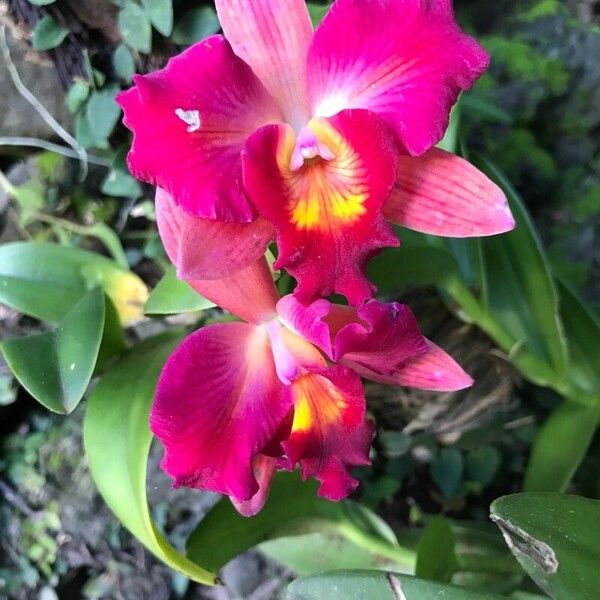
[325, 136]
[238, 400]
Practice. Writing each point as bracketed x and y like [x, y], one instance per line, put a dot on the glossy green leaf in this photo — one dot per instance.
[518, 286]
[195, 24]
[582, 330]
[293, 508]
[135, 27]
[160, 13]
[46, 280]
[56, 367]
[446, 470]
[397, 268]
[436, 555]
[556, 539]
[48, 34]
[371, 585]
[117, 440]
[560, 446]
[173, 296]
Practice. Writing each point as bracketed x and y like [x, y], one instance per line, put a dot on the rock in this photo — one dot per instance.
[17, 116]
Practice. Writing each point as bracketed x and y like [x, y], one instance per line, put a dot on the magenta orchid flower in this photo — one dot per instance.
[236, 401]
[327, 136]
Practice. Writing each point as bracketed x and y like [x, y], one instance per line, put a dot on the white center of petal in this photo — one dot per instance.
[332, 105]
[191, 118]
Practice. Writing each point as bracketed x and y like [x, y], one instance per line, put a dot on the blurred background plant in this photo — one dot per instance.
[79, 252]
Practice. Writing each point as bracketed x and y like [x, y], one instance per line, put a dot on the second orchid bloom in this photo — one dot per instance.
[328, 136]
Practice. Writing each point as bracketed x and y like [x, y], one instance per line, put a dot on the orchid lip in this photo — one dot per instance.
[308, 147]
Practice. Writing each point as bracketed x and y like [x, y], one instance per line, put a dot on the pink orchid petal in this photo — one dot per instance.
[307, 321]
[330, 432]
[442, 194]
[190, 121]
[206, 249]
[264, 470]
[406, 60]
[435, 370]
[273, 37]
[382, 339]
[218, 404]
[327, 213]
[249, 294]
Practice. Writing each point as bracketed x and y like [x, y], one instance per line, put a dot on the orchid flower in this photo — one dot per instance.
[328, 135]
[238, 400]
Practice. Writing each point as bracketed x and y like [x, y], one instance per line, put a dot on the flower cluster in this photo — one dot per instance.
[318, 140]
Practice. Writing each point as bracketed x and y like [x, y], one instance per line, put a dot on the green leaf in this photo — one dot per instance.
[103, 113]
[436, 555]
[293, 508]
[560, 446]
[45, 281]
[117, 440]
[161, 15]
[56, 367]
[483, 464]
[123, 63]
[519, 289]
[48, 34]
[317, 12]
[121, 184]
[556, 539]
[195, 24]
[77, 95]
[367, 585]
[582, 330]
[135, 27]
[446, 470]
[398, 268]
[173, 296]
[84, 134]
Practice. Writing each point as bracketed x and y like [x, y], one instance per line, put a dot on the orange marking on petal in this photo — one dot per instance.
[317, 403]
[324, 193]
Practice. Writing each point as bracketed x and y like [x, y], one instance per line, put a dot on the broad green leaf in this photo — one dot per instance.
[121, 184]
[117, 440]
[160, 13]
[83, 132]
[560, 446]
[173, 296]
[135, 27]
[113, 339]
[56, 367]
[293, 508]
[372, 585]
[519, 288]
[123, 63]
[436, 554]
[482, 464]
[397, 268]
[48, 34]
[45, 281]
[582, 330]
[103, 113]
[195, 24]
[556, 539]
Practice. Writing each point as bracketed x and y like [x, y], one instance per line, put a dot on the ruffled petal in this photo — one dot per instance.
[381, 339]
[249, 294]
[308, 321]
[264, 471]
[324, 192]
[442, 194]
[218, 404]
[330, 432]
[406, 60]
[206, 249]
[434, 370]
[190, 121]
[273, 37]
